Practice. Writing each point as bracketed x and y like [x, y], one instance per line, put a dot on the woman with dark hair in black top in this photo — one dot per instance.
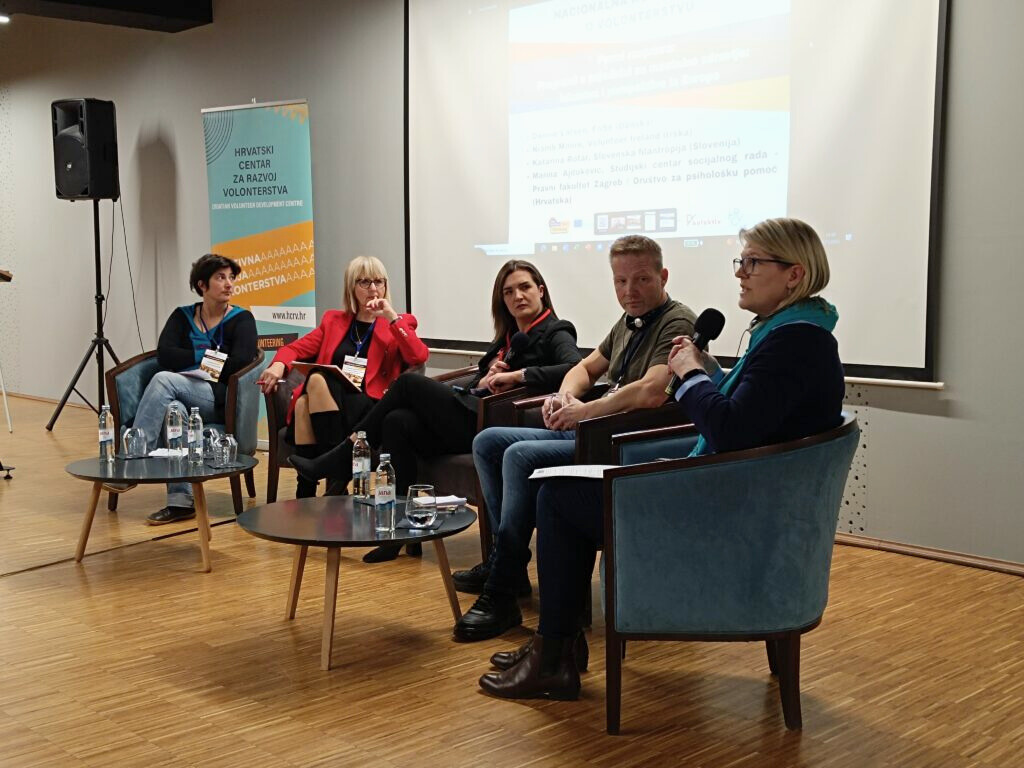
[419, 416]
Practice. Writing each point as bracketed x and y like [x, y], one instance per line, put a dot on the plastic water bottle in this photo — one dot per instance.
[106, 434]
[361, 467]
[195, 436]
[384, 496]
[174, 431]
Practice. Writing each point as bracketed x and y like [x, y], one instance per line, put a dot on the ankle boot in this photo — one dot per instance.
[507, 659]
[544, 673]
[328, 428]
[335, 464]
[304, 487]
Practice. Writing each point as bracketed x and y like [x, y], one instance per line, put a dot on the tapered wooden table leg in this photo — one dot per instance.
[330, 601]
[90, 513]
[298, 566]
[446, 577]
[202, 523]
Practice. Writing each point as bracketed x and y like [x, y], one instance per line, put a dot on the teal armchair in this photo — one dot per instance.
[126, 383]
[729, 547]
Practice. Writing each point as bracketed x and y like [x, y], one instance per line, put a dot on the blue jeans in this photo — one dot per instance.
[505, 457]
[167, 388]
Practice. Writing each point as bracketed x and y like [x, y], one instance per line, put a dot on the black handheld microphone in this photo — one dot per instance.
[516, 345]
[707, 328]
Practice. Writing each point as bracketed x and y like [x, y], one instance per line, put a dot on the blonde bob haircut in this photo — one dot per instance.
[370, 268]
[796, 242]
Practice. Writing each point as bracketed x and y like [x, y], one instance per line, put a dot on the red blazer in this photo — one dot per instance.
[393, 348]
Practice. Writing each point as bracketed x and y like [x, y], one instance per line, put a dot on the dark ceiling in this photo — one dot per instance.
[159, 15]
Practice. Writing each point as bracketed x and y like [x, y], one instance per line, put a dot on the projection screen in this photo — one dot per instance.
[545, 130]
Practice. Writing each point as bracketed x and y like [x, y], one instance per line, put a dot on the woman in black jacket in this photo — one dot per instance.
[419, 416]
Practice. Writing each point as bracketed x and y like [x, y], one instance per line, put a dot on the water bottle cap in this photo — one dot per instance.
[104, 407]
[360, 435]
[195, 409]
[385, 457]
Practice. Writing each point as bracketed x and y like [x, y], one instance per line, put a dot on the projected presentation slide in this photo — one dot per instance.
[545, 130]
[683, 136]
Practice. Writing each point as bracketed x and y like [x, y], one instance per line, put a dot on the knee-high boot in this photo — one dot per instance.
[305, 487]
[336, 464]
[329, 429]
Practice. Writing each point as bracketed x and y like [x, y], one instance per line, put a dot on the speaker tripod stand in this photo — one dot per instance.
[99, 341]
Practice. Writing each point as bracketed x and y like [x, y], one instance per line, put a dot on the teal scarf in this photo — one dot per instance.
[816, 311]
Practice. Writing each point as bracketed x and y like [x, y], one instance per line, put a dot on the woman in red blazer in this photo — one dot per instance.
[368, 340]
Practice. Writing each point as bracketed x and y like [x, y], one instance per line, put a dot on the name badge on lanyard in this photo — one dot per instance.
[354, 369]
[213, 363]
[354, 366]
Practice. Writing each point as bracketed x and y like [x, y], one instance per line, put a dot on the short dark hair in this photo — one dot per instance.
[504, 323]
[638, 245]
[206, 266]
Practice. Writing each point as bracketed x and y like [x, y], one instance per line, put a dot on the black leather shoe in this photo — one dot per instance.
[171, 515]
[414, 550]
[507, 659]
[531, 678]
[491, 615]
[382, 554]
[472, 581]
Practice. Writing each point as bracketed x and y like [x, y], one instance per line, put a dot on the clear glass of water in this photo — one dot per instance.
[133, 443]
[211, 444]
[228, 450]
[420, 506]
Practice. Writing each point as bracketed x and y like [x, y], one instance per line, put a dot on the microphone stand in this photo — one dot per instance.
[99, 341]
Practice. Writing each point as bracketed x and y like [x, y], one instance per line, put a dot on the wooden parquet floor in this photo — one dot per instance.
[134, 657]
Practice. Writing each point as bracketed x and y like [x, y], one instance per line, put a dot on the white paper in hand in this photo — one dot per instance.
[585, 471]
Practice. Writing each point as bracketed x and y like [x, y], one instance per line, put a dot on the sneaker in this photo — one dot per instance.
[472, 582]
[171, 515]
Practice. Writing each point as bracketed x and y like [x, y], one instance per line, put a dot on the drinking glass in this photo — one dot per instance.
[420, 506]
[211, 444]
[133, 443]
[228, 450]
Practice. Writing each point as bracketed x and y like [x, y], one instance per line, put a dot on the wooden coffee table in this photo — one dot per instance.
[150, 471]
[334, 522]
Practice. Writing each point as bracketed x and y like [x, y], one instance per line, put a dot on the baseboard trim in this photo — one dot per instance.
[930, 553]
[40, 399]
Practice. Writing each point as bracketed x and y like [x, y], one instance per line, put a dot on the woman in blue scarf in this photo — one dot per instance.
[789, 384]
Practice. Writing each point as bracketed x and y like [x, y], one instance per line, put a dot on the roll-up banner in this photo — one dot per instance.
[258, 171]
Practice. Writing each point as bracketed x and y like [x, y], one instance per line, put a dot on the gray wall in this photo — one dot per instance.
[345, 57]
[938, 469]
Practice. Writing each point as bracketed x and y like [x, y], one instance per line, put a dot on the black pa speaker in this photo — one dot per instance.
[85, 149]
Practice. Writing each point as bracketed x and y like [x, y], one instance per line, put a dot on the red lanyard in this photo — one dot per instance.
[508, 338]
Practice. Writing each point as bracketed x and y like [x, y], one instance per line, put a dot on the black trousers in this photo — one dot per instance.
[418, 417]
[570, 528]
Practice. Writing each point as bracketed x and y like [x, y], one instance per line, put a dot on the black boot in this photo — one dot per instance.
[328, 428]
[547, 671]
[507, 659]
[335, 464]
[304, 487]
[491, 615]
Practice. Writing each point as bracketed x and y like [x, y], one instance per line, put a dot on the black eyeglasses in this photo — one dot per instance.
[377, 282]
[748, 264]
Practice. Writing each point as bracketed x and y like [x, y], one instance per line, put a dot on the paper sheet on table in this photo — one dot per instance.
[587, 471]
[166, 453]
[441, 501]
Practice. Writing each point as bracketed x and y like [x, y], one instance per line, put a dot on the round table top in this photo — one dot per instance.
[337, 521]
[153, 469]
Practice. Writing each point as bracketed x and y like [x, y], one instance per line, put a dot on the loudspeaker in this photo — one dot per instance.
[85, 149]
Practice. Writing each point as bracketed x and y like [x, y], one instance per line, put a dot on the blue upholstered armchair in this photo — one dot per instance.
[127, 381]
[733, 546]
